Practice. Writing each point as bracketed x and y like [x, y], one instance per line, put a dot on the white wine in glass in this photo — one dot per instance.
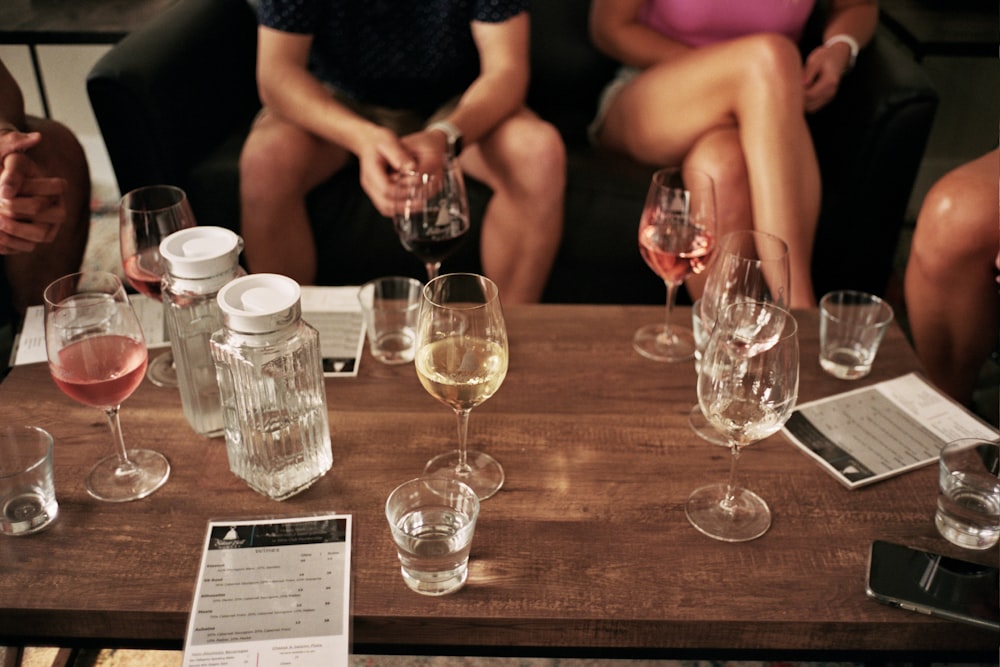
[748, 265]
[676, 239]
[97, 356]
[461, 360]
[147, 215]
[747, 388]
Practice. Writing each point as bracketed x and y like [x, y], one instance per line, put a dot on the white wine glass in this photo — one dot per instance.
[747, 389]
[461, 360]
[97, 356]
[147, 215]
[748, 265]
[676, 239]
[432, 211]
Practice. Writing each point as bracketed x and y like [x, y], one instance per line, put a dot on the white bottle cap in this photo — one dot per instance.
[260, 303]
[200, 252]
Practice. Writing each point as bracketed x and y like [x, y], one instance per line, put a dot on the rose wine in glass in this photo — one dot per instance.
[747, 388]
[432, 212]
[147, 215]
[97, 356]
[461, 360]
[676, 239]
[748, 265]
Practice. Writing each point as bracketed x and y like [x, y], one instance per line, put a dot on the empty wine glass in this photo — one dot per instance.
[747, 266]
[97, 356]
[676, 239]
[432, 211]
[147, 215]
[461, 360]
[747, 389]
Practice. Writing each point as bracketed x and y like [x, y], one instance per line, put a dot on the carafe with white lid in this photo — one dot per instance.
[199, 261]
[270, 375]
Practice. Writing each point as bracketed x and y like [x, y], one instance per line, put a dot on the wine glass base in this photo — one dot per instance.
[747, 518]
[108, 482]
[656, 342]
[161, 371]
[704, 430]
[485, 474]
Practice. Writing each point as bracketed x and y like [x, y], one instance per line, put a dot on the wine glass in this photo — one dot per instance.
[747, 266]
[747, 388]
[432, 211]
[97, 356]
[461, 360]
[676, 238]
[147, 215]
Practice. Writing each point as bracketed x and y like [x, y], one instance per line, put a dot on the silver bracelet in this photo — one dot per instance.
[852, 44]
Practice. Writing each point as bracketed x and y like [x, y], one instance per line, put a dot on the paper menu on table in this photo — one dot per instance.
[869, 434]
[333, 311]
[29, 347]
[272, 592]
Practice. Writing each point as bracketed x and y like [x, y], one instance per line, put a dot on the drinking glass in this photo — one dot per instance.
[461, 360]
[747, 389]
[747, 266]
[97, 356]
[432, 211]
[676, 239]
[147, 215]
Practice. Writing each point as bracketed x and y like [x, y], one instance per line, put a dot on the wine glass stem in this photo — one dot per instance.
[125, 466]
[671, 298]
[463, 467]
[728, 502]
[432, 270]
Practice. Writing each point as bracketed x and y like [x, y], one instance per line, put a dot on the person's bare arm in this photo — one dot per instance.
[616, 31]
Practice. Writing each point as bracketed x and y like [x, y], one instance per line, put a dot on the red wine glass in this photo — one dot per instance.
[147, 215]
[432, 211]
[676, 239]
[97, 356]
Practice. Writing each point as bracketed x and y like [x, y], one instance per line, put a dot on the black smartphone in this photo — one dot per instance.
[933, 584]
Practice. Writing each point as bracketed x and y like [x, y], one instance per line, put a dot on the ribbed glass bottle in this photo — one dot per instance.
[270, 376]
[199, 261]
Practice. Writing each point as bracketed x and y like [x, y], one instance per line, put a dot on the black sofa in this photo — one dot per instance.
[174, 101]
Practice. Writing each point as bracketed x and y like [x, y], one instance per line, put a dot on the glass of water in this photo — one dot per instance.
[968, 506]
[432, 520]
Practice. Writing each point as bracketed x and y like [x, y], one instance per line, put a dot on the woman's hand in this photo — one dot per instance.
[822, 72]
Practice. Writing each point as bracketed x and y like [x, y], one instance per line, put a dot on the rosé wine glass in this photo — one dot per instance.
[676, 239]
[147, 215]
[97, 356]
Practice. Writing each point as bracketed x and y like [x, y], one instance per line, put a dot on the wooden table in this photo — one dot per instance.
[585, 551]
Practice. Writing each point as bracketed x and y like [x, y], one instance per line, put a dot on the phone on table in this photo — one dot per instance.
[933, 584]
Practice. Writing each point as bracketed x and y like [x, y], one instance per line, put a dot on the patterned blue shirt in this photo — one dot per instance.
[413, 54]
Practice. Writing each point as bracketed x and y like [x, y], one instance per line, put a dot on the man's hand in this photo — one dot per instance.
[821, 74]
[32, 205]
[380, 158]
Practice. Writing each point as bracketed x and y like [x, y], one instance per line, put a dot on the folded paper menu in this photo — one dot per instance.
[272, 592]
[869, 434]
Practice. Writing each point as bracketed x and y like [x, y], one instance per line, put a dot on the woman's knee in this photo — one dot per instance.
[772, 63]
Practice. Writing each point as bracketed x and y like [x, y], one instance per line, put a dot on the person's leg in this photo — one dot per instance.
[718, 153]
[279, 165]
[524, 162]
[58, 154]
[753, 84]
[951, 295]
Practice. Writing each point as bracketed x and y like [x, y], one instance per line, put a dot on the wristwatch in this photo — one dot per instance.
[452, 133]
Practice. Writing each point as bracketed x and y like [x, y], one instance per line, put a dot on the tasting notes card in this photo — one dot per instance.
[272, 592]
[866, 435]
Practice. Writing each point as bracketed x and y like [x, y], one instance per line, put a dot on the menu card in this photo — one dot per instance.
[272, 592]
[334, 311]
[869, 434]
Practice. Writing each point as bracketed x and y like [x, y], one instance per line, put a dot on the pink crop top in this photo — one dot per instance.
[701, 22]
